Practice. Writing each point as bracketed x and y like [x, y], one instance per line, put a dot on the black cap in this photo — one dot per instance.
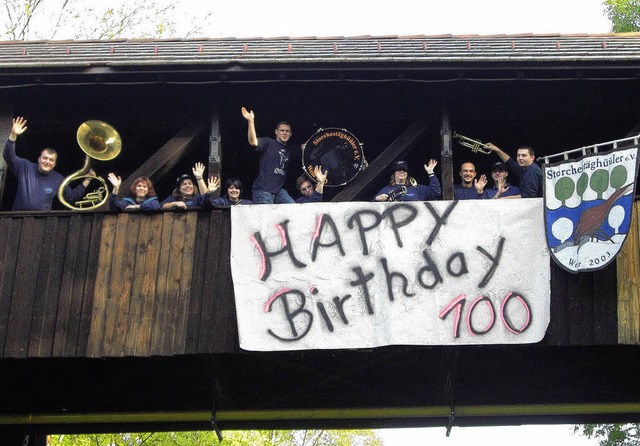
[499, 166]
[183, 177]
[400, 165]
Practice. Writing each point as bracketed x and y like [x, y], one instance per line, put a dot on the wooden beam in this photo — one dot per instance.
[215, 150]
[161, 162]
[397, 149]
[446, 157]
[6, 116]
[628, 276]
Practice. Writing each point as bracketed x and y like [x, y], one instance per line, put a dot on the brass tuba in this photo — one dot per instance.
[101, 142]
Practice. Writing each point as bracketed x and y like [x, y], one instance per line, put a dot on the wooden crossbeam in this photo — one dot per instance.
[162, 161]
[397, 149]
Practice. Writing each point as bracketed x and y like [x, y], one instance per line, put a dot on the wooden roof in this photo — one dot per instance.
[368, 50]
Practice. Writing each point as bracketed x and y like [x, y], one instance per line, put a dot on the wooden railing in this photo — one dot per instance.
[115, 284]
[131, 284]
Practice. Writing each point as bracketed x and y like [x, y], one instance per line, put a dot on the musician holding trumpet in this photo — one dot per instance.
[405, 188]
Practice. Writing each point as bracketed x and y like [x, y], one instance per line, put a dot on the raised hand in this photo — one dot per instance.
[480, 183]
[198, 171]
[214, 184]
[19, 126]
[321, 177]
[248, 115]
[430, 166]
[116, 181]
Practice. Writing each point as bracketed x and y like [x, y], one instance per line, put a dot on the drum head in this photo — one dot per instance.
[338, 152]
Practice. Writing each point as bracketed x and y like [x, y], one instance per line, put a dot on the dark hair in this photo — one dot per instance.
[302, 179]
[279, 123]
[49, 150]
[528, 149]
[233, 182]
[176, 192]
[132, 189]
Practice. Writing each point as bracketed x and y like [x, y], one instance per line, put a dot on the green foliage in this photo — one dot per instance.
[624, 15]
[599, 182]
[612, 434]
[582, 184]
[77, 19]
[618, 177]
[564, 189]
[230, 438]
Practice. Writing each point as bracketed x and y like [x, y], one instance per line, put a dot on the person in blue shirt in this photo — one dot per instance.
[470, 187]
[405, 188]
[185, 195]
[141, 196]
[501, 187]
[234, 192]
[524, 169]
[37, 182]
[275, 155]
[309, 192]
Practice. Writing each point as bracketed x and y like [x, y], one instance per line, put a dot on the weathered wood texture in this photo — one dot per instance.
[110, 285]
[628, 265]
[130, 284]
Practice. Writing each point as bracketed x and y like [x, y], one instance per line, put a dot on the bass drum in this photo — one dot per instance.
[338, 152]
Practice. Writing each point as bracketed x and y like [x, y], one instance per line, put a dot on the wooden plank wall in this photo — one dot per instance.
[131, 284]
[97, 285]
[628, 266]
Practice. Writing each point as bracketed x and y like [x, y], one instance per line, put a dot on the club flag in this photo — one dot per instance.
[588, 205]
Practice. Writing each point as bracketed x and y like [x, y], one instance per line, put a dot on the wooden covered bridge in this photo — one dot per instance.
[127, 321]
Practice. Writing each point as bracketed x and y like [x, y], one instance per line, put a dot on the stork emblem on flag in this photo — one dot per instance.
[588, 203]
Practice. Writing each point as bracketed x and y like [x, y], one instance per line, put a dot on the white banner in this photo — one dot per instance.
[360, 275]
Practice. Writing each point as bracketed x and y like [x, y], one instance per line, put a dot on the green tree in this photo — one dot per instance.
[599, 182]
[624, 15]
[582, 184]
[612, 434]
[79, 19]
[230, 438]
[564, 189]
[618, 177]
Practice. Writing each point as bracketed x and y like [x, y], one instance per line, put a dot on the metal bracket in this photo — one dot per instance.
[214, 423]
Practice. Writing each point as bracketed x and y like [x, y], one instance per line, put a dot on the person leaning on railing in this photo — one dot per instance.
[309, 192]
[186, 195]
[404, 188]
[233, 196]
[141, 196]
[523, 169]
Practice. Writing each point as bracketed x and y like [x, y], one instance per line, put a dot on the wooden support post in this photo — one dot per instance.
[5, 126]
[215, 150]
[446, 157]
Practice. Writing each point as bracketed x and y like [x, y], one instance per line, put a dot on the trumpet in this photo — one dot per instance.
[397, 193]
[475, 146]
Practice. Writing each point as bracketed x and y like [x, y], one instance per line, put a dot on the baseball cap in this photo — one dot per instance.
[400, 165]
[183, 177]
[499, 166]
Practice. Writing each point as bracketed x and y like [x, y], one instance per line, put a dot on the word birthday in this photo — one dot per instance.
[357, 275]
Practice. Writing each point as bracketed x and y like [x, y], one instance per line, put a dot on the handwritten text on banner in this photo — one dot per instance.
[359, 275]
